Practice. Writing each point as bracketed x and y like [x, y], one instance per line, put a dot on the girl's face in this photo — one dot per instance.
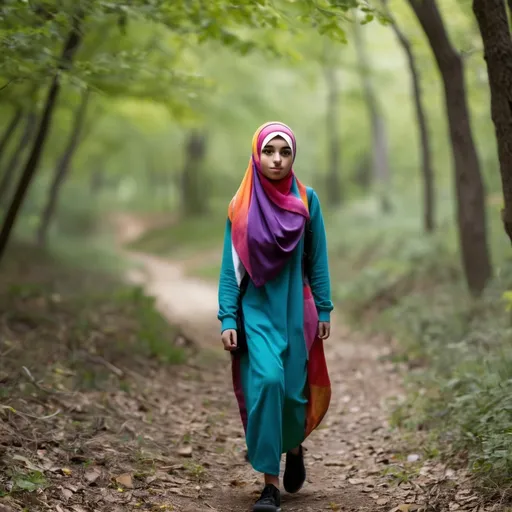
[276, 159]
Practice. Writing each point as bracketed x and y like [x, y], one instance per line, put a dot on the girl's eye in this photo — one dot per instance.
[267, 151]
[286, 152]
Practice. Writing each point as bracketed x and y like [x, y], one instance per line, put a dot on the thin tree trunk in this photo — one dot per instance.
[12, 165]
[62, 172]
[10, 129]
[334, 192]
[492, 21]
[471, 213]
[193, 192]
[70, 47]
[381, 174]
[363, 173]
[96, 181]
[426, 159]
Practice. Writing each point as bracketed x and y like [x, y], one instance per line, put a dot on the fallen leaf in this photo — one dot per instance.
[92, 475]
[186, 451]
[67, 493]
[27, 462]
[125, 480]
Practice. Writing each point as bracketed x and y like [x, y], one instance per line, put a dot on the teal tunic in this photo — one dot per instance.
[274, 371]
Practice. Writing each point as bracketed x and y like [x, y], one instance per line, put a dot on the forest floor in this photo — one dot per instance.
[163, 437]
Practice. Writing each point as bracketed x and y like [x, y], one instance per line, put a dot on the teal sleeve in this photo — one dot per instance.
[319, 271]
[228, 285]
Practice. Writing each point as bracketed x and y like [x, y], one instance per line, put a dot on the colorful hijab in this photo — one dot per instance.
[268, 217]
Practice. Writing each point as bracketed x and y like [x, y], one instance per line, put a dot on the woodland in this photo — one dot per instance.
[125, 129]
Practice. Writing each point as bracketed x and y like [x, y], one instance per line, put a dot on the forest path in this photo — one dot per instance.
[355, 461]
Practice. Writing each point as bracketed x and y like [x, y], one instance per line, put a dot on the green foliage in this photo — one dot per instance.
[184, 238]
[463, 393]
[78, 314]
[390, 279]
[153, 330]
[30, 482]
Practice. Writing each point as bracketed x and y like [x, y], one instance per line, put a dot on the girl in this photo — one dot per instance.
[274, 308]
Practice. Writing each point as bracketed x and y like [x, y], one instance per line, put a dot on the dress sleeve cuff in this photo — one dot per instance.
[228, 323]
[324, 316]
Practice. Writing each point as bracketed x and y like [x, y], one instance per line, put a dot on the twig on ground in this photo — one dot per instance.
[10, 349]
[38, 386]
[17, 411]
[58, 411]
[100, 360]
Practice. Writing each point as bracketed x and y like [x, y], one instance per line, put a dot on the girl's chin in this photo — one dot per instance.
[276, 175]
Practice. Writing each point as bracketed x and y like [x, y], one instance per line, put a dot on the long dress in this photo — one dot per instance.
[281, 383]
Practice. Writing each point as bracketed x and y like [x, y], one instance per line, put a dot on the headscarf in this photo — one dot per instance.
[268, 216]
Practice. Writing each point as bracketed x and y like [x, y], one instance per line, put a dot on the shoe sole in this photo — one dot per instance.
[294, 490]
[266, 508]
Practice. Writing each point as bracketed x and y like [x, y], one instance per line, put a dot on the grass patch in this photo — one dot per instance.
[65, 315]
[209, 271]
[185, 238]
[389, 277]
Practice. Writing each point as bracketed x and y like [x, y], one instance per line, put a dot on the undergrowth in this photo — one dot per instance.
[390, 278]
[184, 238]
[71, 327]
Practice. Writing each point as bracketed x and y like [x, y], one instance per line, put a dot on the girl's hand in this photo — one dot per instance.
[228, 338]
[324, 330]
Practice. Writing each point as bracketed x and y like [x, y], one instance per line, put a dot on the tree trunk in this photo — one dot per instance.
[363, 173]
[12, 165]
[492, 21]
[426, 159]
[192, 187]
[381, 174]
[471, 213]
[10, 129]
[72, 43]
[334, 192]
[62, 172]
[96, 181]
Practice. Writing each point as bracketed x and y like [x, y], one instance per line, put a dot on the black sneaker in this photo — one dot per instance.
[270, 500]
[295, 471]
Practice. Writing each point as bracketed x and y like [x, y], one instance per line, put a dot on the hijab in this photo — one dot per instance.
[267, 216]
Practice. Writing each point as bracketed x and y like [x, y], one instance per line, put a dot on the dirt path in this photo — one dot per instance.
[355, 462]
